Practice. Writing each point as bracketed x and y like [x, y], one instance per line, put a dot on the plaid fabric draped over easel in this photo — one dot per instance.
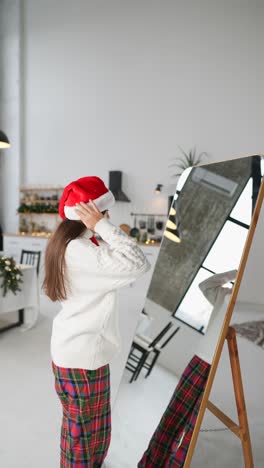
[86, 422]
[169, 444]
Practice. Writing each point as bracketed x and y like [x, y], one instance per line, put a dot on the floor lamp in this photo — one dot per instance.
[4, 143]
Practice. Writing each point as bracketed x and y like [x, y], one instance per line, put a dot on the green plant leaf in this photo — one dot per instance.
[183, 152]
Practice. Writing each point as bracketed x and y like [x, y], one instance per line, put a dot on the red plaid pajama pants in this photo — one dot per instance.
[86, 421]
[170, 442]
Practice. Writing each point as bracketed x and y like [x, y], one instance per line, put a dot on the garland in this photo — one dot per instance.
[38, 208]
[11, 274]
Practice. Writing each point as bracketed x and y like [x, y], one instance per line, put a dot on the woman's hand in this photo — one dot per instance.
[89, 214]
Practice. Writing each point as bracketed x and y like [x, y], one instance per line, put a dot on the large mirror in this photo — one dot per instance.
[215, 441]
[156, 408]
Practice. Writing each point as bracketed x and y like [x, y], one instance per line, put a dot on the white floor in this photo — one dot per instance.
[137, 412]
[30, 411]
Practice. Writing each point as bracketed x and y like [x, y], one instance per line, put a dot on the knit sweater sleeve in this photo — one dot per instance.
[115, 263]
[212, 285]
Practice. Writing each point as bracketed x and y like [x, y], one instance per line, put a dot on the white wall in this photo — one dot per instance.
[10, 108]
[118, 85]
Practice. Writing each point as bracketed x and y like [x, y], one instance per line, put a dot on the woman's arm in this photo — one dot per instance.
[211, 285]
[117, 263]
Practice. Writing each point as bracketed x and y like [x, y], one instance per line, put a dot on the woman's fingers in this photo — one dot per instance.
[88, 207]
[83, 207]
[80, 209]
[93, 205]
[88, 213]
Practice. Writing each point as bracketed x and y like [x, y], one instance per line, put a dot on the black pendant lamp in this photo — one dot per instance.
[4, 142]
[158, 188]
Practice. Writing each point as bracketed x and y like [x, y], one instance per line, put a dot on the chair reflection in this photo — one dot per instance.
[145, 351]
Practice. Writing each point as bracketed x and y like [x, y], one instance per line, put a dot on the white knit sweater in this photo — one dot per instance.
[85, 333]
[219, 296]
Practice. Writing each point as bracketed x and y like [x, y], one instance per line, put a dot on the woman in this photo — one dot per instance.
[84, 277]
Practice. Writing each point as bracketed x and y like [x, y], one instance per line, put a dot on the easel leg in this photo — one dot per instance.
[239, 396]
[241, 430]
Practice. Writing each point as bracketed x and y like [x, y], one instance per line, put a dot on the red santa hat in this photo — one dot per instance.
[85, 189]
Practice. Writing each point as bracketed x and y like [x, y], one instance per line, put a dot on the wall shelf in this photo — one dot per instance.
[27, 200]
[41, 189]
[38, 215]
[42, 213]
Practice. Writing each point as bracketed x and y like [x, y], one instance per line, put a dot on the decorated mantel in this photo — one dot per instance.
[10, 275]
[19, 294]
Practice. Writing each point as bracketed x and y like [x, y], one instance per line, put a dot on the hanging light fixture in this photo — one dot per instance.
[158, 188]
[4, 142]
[173, 235]
[172, 230]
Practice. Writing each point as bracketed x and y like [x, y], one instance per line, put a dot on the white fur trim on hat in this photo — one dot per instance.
[104, 202]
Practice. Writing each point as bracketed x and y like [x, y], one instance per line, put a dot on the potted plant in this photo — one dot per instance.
[187, 159]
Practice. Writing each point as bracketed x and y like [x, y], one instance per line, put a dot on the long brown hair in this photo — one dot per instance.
[54, 284]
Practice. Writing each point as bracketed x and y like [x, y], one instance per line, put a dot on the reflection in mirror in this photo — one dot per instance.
[166, 371]
[215, 442]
